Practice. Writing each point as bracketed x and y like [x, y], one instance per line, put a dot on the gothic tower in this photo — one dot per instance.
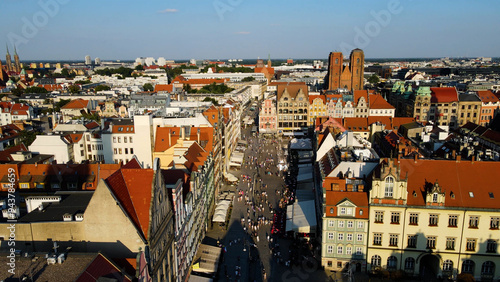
[17, 64]
[269, 64]
[335, 62]
[8, 61]
[357, 66]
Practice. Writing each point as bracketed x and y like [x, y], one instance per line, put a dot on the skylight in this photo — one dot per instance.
[471, 194]
[491, 195]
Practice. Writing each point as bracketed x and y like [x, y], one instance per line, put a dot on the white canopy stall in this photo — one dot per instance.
[301, 218]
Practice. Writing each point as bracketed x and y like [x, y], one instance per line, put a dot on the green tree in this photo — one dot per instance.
[102, 87]
[35, 89]
[82, 82]
[210, 99]
[17, 91]
[188, 89]
[373, 79]
[148, 87]
[60, 104]
[65, 72]
[74, 89]
[139, 68]
[248, 78]
[27, 137]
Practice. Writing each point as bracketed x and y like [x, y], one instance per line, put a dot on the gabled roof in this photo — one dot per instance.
[102, 267]
[487, 96]
[359, 199]
[457, 179]
[162, 141]
[358, 94]
[92, 125]
[195, 157]
[356, 124]
[314, 97]
[133, 188]
[76, 104]
[378, 102]
[292, 89]
[444, 95]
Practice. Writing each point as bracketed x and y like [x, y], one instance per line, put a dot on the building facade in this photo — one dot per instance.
[349, 76]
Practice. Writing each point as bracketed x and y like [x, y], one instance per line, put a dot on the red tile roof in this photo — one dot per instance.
[456, 179]
[358, 94]
[487, 96]
[133, 188]
[444, 95]
[378, 102]
[195, 156]
[164, 87]
[102, 267]
[360, 199]
[76, 104]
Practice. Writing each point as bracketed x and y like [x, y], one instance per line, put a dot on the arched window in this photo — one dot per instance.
[331, 210]
[376, 261]
[447, 265]
[336, 61]
[389, 187]
[488, 268]
[409, 264]
[357, 60]
[468, 266]
[392, 263]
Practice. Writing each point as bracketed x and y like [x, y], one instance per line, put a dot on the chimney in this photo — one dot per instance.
[416, 157]
[473, 158]
[198, 136]
[182, 132]
[453, 154]
[459, 158]
[169, 137]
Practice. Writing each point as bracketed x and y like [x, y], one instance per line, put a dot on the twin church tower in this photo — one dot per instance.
[348, 75]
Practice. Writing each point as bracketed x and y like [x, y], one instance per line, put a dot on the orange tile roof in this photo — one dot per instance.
[195, 156]
[162, 142]
[264, 70]
[381, 119]
[360, 93]
[360, 199]
[314, 97]
[116, 128]
[164, 87]
[444, 95]
[292, 88]
[133, 188]
[212, 115]
[76, 104]
[487, 96]
[356, 124]
[398, 121]
[378, 102]
[277, 83]
[454, 178]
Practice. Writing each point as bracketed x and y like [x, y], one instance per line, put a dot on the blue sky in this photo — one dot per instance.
[222, 29]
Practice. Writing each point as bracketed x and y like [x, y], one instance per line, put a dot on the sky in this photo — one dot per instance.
[247, 29]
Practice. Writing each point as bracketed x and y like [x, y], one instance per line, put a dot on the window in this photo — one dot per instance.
[395, 218]
[491, 246]
[25, 185]
[114, 139]
[132, 150]
[471, 245]
[360, 237]
[488, 268]
[125, 139]
[126, 150]
[431, 242]
[119, 139]
[349, 211]
[360, 224]
[342, 210]
[452, 221]
[349, 237]
[330, 235]
[379, 217]
[494, 222]
[393, 240]
[341, 224]
[468, 266]
[331, 223]
[448, 265]
[392, 263]
[340, 250]
[433, 220]
[359, 251]
[389, 186]
[348, 250]
[340, 236]
[409, 264]
[331, 210]
[413, 218]
[115, 151]
[473, 221]
[119, 150]
[376, 261]
[435, 197]
[450, 243]
[377, 239]
[350, 224]
[329, 249]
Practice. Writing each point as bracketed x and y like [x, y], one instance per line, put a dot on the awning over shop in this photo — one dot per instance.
[230, 177]
[206, 259]
[301, 217]
[220, 213]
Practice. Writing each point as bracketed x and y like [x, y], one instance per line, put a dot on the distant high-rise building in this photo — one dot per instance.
[97, 61]
[8, 61]
[17, 63]
[192, 61]
[150, 61]
[349, 76]
[88, 60]
[140, 61]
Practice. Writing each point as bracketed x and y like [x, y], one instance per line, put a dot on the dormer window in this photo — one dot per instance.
[471, 194]
[389, 187]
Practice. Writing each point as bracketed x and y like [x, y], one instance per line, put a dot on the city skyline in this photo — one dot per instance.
[222, 29]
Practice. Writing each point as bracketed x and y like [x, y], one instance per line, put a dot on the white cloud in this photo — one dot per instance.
[242, 32]
[168, 11]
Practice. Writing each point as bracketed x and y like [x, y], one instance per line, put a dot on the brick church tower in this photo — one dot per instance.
[350, 77]
[357, 66]
[335, 63]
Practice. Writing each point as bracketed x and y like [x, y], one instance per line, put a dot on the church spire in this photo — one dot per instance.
[7, 46]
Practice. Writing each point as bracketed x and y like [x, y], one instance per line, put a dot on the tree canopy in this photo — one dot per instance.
[148, 87]
[123, 71]
[373, 79]
[35, 89]
[102, 87]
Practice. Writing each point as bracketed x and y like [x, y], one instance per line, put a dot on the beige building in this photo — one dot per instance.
[469, 109]
[293, 104]
[436, 218]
